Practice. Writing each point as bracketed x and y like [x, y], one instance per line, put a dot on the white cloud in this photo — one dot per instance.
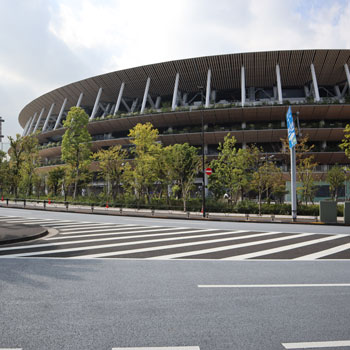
[60, 41]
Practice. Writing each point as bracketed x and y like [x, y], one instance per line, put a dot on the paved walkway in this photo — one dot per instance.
[12, 233]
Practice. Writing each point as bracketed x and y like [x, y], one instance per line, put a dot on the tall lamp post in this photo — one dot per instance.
[201, 88]
[1, 135]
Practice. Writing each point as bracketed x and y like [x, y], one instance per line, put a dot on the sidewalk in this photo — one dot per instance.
[13, 233]
[166, 214]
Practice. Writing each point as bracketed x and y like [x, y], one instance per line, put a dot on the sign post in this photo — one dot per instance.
[292, 139]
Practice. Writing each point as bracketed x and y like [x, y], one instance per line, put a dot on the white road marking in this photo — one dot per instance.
[162, 348]
[273, 285]
[282, 249]
[107, 245]
[10, 348]
[229, 247]
[139, 229]
[142, 250]
[88, 225]
[326, 252]
[319, 344]
[128, 232]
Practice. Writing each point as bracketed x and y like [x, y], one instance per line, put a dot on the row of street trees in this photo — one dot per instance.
[149, 171]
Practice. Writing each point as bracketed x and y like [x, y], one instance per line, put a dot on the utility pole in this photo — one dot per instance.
[1, 135]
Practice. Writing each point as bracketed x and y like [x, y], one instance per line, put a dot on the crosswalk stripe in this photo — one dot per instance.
[146, 228]
[324, 253]
[119, 232]
[107, 239]
[81, 227]
[131, 251]
[229, 247]
[47, 223]
[282, 249]
[113, 245]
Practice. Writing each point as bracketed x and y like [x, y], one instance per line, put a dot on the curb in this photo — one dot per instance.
[41, 233]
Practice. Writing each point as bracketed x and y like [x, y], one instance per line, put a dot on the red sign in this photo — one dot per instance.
[208, 171]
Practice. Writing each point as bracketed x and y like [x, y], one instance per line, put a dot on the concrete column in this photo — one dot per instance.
[80, 99]
[242, 86]
[346, 67]
[244, 125]
[279, 85]
[119, 99]
[213, 96]
[307, 91]
[145, 95]
[94, 110]
[314, 80]
[158, 100]
[39, 119]
[337, 91]
[48, 117]
[207, 94]
[244, 145]
[60, 114]
[176, 87]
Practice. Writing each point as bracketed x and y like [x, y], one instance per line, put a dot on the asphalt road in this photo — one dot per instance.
[100, 304]
[103, 304]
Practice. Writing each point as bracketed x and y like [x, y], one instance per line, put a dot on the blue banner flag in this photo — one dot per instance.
[292, 138]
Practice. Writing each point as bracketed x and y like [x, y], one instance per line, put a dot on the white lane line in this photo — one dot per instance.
[47, 223]
[325, 252]
[142, 250]
[282, 249]
[117, 233]
[10, 348]
[229, 247]
[273, 285]
[162, 348]
[318, 344]
[114, 245]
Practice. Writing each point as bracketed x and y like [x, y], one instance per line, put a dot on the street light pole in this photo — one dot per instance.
[203, 158]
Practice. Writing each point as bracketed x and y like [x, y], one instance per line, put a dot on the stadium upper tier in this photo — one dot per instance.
[246, 94]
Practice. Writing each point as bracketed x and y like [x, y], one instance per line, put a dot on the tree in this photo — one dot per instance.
[146, 151]
[234, 168]
[336, 178]
[267, 180]
[31, 161]
[345, 145]
[4, 173]
[15, 164]
[76, 144]
[305, 166]
[55, 179]
[111, 163]
[184, 164]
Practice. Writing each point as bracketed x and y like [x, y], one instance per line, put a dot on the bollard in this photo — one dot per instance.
[272, 217]
[24, 203]
[7, 201]
[152, 212]
[121, 211]
[188, 214]
[45, 205]
[247, 217]
[92, 208]
[67, 204]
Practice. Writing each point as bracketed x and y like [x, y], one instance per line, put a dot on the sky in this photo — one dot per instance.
[45, 44]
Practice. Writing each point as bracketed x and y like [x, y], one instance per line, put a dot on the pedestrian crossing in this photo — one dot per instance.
[86, 240]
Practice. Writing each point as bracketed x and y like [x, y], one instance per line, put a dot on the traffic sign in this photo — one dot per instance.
[208, 171]
[292, 138]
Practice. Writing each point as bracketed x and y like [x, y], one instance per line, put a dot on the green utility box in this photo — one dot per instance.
[328, 212]
[347, 213]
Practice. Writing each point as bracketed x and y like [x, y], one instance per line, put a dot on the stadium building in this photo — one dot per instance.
[246, 94]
